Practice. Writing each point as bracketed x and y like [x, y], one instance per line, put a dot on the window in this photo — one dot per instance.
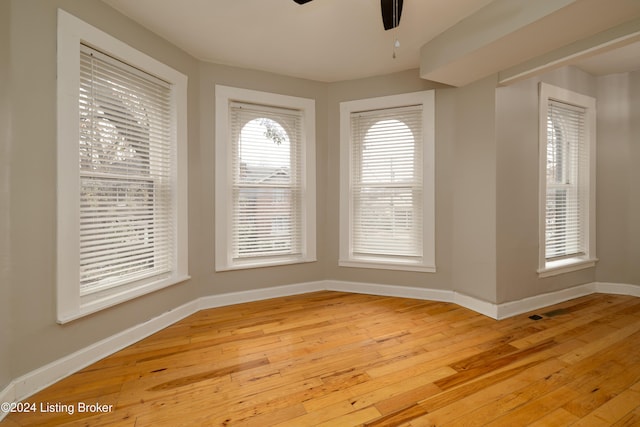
[567, 181]
[121, 171]
[265, 179]
[387, 182]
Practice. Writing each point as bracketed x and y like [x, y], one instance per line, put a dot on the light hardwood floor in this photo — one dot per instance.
[337, 359]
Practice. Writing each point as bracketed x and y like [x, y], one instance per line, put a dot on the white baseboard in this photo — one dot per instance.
[213, 301]
[618, 288]
[513, 308]
[526, 305]
[7, 395]
[36, 380]
[492, 310]
[441, 295]
[389, 290]
[479, 306]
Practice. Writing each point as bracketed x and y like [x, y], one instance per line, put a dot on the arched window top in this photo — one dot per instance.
[388, 152]
[387, 182]
[264, 142]
[265, 175]
[381, 128]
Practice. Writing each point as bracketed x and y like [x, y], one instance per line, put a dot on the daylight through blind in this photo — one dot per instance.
[267, 182]
[126, 218]
[387, 182]
[567, 159]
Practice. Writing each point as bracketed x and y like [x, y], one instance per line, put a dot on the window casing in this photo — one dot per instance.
[567, 181]
[265, 179]
[121, 172]
[387, 183]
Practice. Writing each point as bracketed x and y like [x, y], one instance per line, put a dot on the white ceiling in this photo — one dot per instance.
[326, 40]
[623, 59]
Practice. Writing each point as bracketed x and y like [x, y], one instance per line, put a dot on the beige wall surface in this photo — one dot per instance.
[486, 185]
[37, 338]
[474, 191]
[202, 179]
[403, 82]
[5, 138]
[465, 185]
[619, 178]
[633, 162]
[517, 187]
[33, 190]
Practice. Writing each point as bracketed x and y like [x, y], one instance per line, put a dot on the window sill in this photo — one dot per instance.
[259, 264]
[568, 265]
[386, 265]
[109, 298]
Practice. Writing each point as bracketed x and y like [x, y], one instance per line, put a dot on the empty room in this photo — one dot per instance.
[319, 213]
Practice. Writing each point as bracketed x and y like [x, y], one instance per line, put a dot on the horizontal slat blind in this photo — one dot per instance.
[126, 215]
[267, 191]
[387, 182]
[567, 160]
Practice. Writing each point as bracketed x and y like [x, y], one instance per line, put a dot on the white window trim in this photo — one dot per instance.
[588, 260]
[71, 33]
[346, 256]
[223, 199]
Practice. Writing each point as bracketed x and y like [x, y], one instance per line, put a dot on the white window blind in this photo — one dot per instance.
[387, 177]
[267, 182]
[126, 211]
[567, 168]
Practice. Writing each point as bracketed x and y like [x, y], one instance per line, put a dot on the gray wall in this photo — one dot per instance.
[202, 174]
[618, 183]
[37, 338]
[517, 187]
[5, 138]
[465, 150]
[617, 179]
[486, 185]
[403, 82]
[474, 191]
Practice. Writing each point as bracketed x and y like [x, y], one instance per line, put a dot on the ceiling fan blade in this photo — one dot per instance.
[391, 11]
[302, 1]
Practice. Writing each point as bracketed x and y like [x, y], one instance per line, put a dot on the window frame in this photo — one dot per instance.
[347, 258]
[72, 32]
[224, 96]
[587, 259]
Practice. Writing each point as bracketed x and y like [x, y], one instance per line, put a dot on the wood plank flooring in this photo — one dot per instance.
[338, 359]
